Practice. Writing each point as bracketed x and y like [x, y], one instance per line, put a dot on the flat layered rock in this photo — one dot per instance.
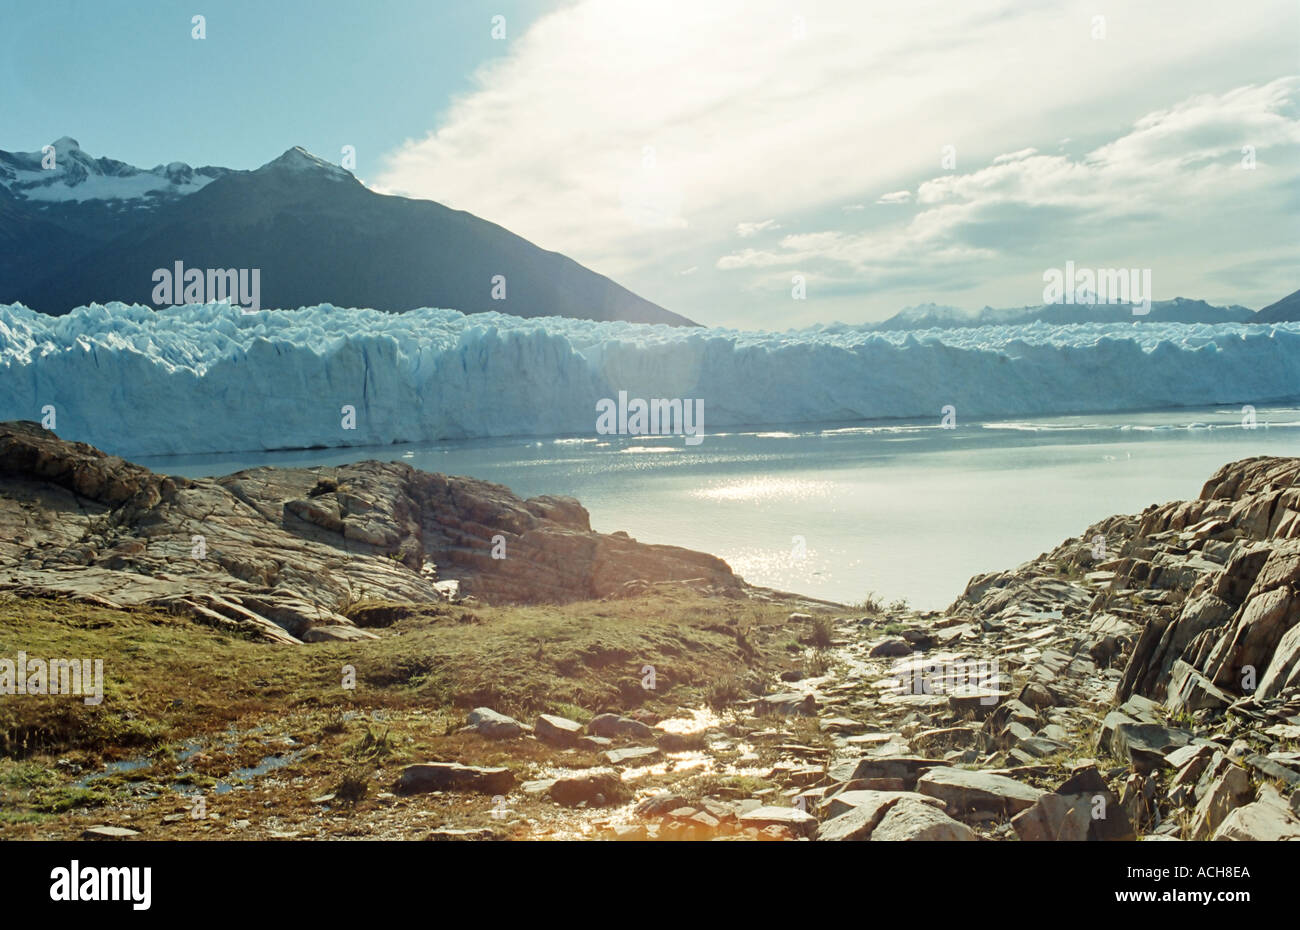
[105, 832]
[452, 776]
[1147, 745]
[1267, 819]
[965, 791]
[870, 803]
[905, 768]
[796, 821]
[793, 703]
[557, 731]
[633, 755]
[910, 820]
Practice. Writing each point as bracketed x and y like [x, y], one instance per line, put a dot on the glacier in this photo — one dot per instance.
[215, 378]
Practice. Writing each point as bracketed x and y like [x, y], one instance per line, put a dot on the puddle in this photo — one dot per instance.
[268, 764]
[115, 768]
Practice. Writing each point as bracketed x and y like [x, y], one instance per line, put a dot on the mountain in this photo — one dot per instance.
[1178, 310]
[94, 230]
[1286, 309]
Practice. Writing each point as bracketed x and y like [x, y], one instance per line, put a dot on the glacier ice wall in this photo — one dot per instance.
[214, 378]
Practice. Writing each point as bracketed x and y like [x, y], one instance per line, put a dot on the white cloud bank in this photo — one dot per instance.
[641, 138]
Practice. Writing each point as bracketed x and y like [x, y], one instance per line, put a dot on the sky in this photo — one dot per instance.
[758, 164]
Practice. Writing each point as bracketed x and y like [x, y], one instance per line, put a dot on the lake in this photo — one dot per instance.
[897, 509]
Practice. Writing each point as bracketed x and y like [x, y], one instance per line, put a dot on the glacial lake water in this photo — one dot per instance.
[837, 511]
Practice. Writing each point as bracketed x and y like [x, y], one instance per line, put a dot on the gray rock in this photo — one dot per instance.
[1268, 819]
[452, 776]
[613, 725]
[633, 755]
[1055, 817]
[659, 804]
[867, 804]
[796, 821]
[1147, 745]
[906, 768]
[890, 648]
[595, 788]
[911, 820]
[966, 791]
[105, 832]
[557, 731]
[1036, 696]
[1040, 747]
[1273, 768]
[977, 702]
[489, 723]
[1227, 792]
[793, 703]
[1190, 691]
[1283, 672]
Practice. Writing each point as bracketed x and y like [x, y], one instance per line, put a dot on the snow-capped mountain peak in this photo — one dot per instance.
[301, 161]
[62, 172]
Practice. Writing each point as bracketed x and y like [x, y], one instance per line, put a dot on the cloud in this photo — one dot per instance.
[631, 135]
[1014, 156]
[749, 230]
[1176, 168]
[896, 197]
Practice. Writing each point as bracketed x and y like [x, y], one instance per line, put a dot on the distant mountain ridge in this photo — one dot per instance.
[91, 230]
[1177, 310]
[1284, 310]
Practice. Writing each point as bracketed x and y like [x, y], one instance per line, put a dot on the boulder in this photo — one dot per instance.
[489, 723]
[874, 802]
[1268, 819]
[275, 537]
[905, 768]
[797, 822]
[614, 725]
[1226, 793]
[911, 820]
[1283, 672]
[1146, 745]
[452, 776]
[966, 791]
[890, 648]
[557, 731]
[594, 788]
[1190, 691]
[1055, 817]
[787, 704]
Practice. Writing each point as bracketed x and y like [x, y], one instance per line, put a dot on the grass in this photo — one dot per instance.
[817, 664]
[170, 683]
[871, 604]
[823, 631]
[724, 691]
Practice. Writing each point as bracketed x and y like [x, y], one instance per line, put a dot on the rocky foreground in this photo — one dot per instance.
[1141, 681]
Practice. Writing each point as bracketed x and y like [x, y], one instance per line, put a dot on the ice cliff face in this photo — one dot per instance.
[213, 378]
